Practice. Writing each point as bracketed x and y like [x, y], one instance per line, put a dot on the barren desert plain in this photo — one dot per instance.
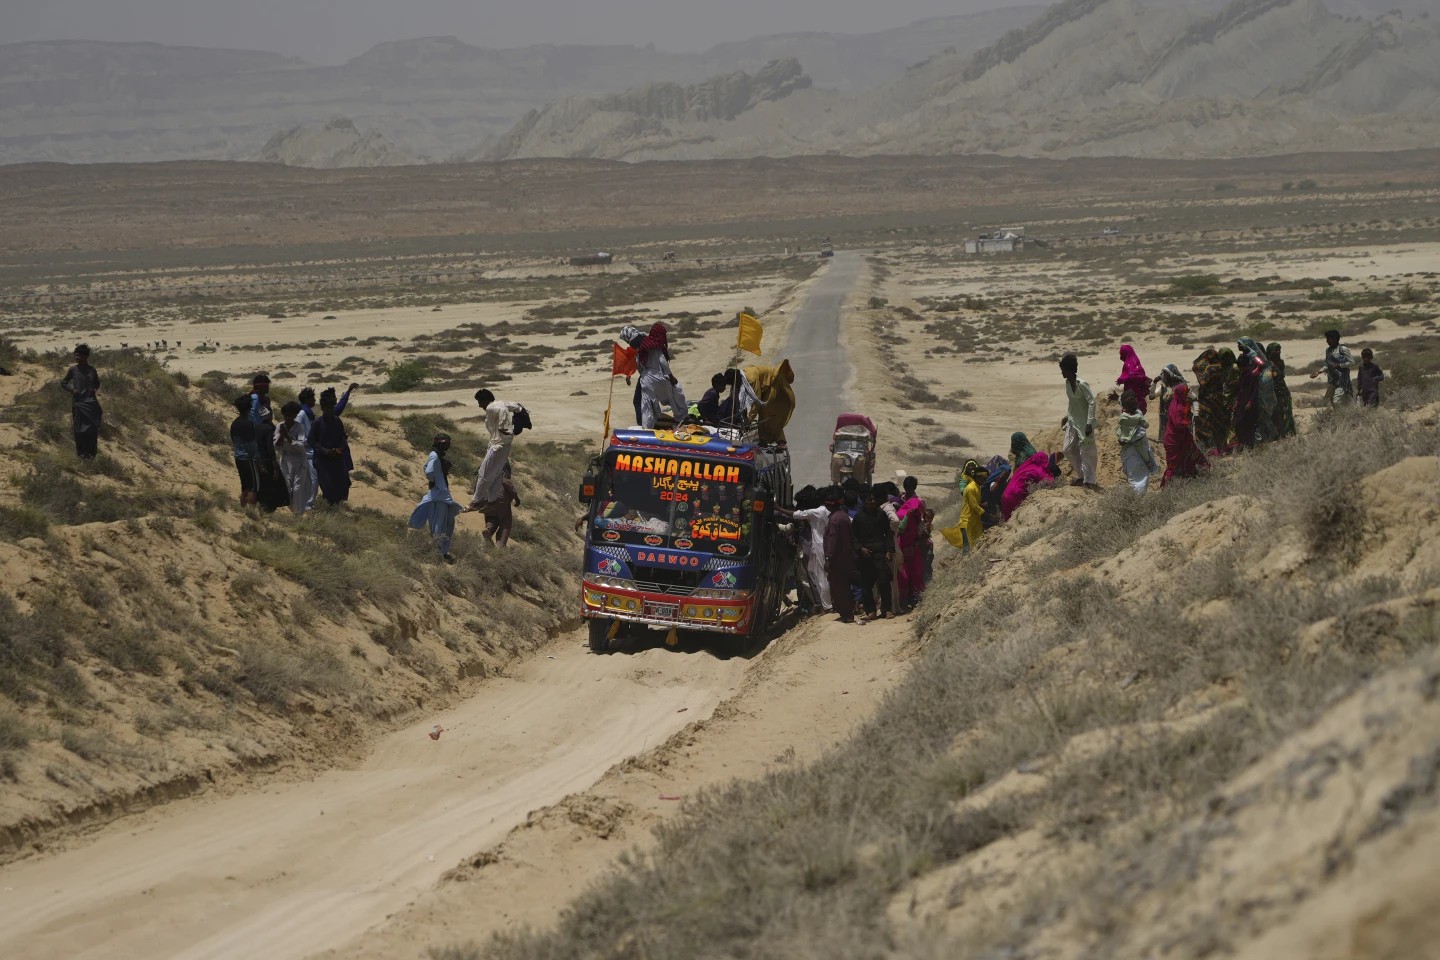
[212, 727]
[239, 279]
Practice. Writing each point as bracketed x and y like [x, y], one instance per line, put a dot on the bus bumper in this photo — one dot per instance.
[686, 613]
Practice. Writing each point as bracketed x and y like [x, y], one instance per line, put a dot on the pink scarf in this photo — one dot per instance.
[1132, 369]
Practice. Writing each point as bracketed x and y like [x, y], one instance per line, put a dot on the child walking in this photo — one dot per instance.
[498, 514]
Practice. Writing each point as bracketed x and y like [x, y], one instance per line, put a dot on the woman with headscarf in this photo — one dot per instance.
[1038, 470]
[912, 559]
[1231, 384]
[968, 530]
[1183, 457]
[1132, 375]
[657, 385]
[1284, 409]
[1247, 396]
[994, 477]
[1212, 426]
[1265, 395]
[437, 510]
[1021, 449]
[1163, 388]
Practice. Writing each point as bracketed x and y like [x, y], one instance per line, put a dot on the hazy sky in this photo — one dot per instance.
[332, 30]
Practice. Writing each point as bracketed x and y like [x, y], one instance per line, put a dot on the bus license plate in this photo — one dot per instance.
[662, 611]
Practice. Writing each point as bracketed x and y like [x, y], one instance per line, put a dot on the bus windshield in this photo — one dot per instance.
[673, 502]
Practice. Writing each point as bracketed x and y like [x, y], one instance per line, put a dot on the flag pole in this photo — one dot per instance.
[735, 365]
[609, 402]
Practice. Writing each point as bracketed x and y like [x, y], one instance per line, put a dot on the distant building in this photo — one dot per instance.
[1000, 241]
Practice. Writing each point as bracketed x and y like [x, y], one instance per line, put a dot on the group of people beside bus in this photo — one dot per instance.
[865, 548]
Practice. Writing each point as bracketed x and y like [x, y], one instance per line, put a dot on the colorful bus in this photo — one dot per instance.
[680, 534]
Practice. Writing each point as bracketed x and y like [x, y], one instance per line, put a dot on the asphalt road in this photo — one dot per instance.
[822, 369]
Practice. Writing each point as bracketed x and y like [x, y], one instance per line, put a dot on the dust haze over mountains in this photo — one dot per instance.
[336, 30]
[1183, 78]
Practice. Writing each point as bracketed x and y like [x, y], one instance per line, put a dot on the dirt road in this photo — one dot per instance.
[291, 870]
[805, 693]
[821, 368]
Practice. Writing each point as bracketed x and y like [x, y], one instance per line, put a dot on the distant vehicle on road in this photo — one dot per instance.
[1111, 231]
[600, 258]
[852, 448]
[826, 249]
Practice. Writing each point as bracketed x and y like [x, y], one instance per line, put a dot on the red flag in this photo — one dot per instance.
[623, 364]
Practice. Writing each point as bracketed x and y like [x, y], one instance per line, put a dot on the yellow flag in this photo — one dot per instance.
[751, 333]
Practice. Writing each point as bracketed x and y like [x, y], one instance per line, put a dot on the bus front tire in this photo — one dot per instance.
[599, 635]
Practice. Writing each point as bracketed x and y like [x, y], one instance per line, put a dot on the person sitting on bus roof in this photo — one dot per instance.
[710, 408]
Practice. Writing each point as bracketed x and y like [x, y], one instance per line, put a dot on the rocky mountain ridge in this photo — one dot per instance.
[579, 125]
[1088, 78]
[438, 97]
[333, 145]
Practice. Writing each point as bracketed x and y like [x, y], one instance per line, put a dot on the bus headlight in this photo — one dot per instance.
[720, 594]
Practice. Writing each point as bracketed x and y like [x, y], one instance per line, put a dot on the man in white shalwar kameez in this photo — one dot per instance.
[1080, 445]
[500, 425]
[815, 519]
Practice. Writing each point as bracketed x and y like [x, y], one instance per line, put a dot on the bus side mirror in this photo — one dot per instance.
[587, 489]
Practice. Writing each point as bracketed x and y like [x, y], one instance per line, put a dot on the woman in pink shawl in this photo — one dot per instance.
[1183, 457]
[1132, 375]
[1034, 472]
[912, 555]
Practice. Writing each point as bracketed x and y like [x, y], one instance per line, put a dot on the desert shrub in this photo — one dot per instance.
[85, 744]
[129, 648]
[466, 448]
[336, 581]
[17, 523]
[406, 375]
[53, 488]
[365, 415]
[1410, 293]
[276, 675]
[467, 951]
[1195, 284]
[15, 733]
